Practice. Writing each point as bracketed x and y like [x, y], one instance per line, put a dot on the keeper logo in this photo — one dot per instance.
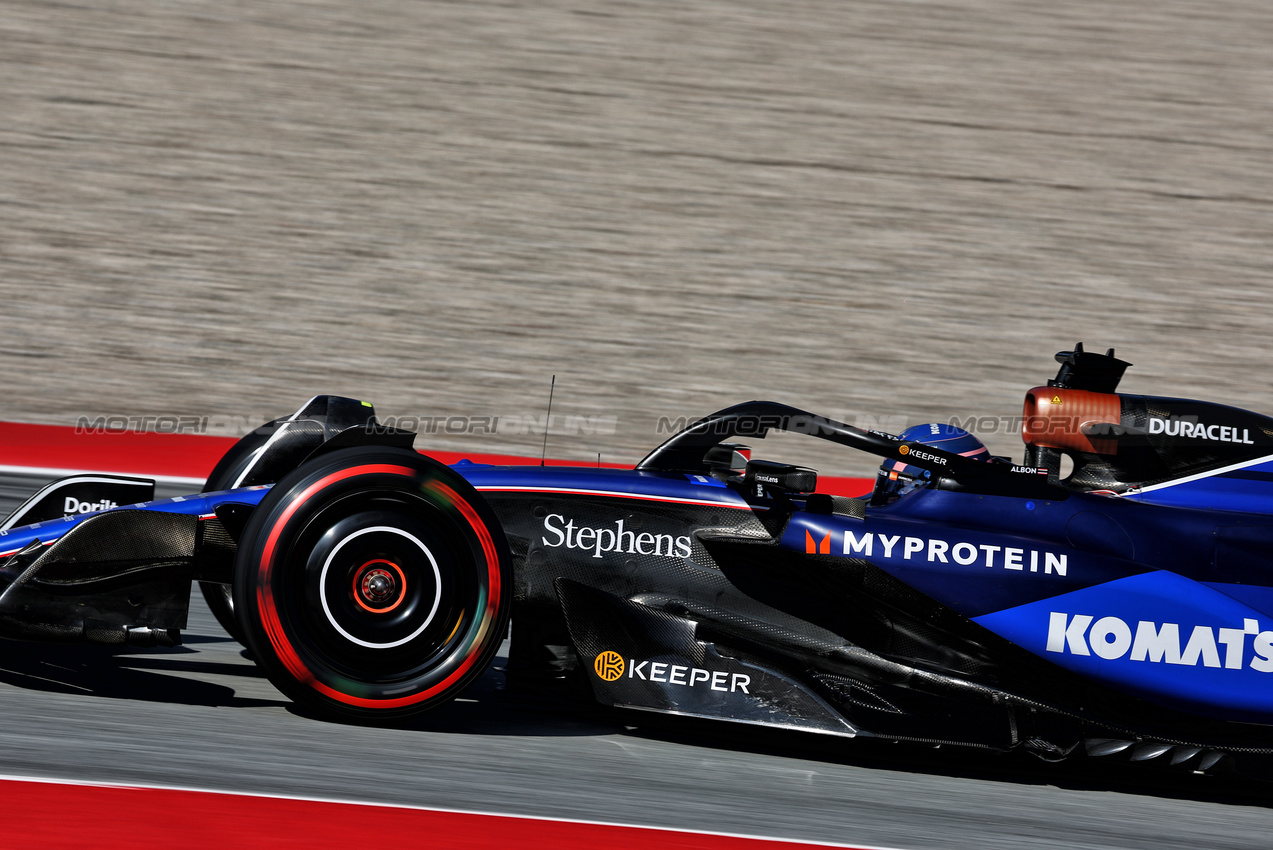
[609, 666]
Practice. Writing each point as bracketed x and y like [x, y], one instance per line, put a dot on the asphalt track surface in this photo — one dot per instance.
[202, 716]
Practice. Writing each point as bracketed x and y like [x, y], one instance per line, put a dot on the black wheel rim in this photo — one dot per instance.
[379, 643]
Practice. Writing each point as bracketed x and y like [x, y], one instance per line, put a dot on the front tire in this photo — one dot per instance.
[373, 584]
[226, 475]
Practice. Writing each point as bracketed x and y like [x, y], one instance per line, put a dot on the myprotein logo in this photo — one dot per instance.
[618, 539]
[609, 667]
[822, 546]
[73, 506]
[1189, 426]
[935, 550]
[1113, 638]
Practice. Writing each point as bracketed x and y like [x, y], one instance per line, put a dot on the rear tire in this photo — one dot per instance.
[373, 584]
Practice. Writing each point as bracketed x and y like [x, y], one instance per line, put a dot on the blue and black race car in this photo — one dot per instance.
[1110, 595]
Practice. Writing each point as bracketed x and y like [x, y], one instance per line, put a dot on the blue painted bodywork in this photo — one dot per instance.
[1165, 594]
[202, 504]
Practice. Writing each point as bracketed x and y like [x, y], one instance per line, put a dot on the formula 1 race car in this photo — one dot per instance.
[1121, 608]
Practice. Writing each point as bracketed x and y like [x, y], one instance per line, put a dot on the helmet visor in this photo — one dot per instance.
[893, 484]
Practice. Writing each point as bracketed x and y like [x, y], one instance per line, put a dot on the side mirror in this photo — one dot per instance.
[765, 475]
[726, 457]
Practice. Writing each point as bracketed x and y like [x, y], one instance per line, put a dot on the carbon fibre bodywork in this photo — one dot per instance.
[783, 614]
[1125, 608]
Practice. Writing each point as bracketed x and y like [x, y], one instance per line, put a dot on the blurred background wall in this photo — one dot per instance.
[890, 212]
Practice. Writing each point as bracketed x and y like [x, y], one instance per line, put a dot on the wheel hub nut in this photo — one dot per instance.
[377, 586]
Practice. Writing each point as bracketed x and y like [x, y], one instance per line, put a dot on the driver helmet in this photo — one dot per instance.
[895, 479]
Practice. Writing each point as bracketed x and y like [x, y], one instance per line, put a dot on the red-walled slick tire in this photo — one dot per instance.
[373, 584]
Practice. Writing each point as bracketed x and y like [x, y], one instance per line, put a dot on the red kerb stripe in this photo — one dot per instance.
[48, 816]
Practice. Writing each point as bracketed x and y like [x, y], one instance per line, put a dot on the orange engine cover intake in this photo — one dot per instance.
[1056, 418]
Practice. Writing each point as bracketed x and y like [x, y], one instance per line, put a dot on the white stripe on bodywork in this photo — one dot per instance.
[1201, 475]
[577, 491]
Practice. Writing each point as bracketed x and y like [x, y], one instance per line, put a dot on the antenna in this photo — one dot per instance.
[544, 456]
[598, 460]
